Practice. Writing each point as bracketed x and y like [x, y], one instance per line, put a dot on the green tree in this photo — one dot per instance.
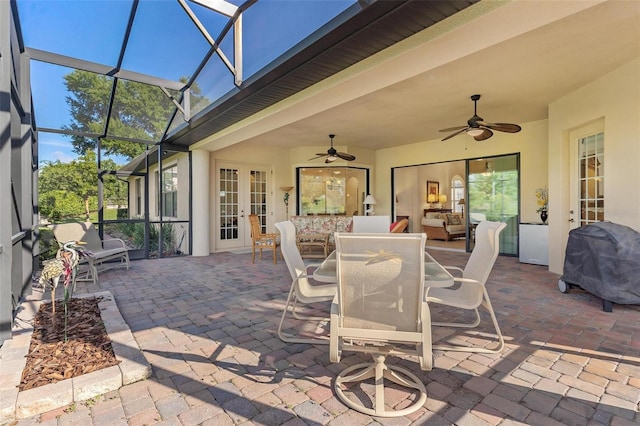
[71, 189]
[140, 111]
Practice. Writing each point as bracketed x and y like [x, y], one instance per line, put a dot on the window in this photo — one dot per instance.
[138, 197]
[457, 194]
[591, 175]
[170, 191]
[332, 190]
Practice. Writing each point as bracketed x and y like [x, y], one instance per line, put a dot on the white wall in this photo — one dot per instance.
[616, 99]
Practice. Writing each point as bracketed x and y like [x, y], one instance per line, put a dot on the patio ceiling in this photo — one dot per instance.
[520, 56]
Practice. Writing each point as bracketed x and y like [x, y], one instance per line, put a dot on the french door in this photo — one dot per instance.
[587, 175]
[242, 189]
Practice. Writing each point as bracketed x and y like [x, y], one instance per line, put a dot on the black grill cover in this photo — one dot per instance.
[604, 259]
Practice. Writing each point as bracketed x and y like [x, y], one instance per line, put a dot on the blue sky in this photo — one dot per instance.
[164, 43]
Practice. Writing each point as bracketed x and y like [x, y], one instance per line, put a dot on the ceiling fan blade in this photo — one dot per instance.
[345, 156]
[318, 156]
[456, 133]
[501, 127]
[507, 127]
[452, 129]
[484, 135]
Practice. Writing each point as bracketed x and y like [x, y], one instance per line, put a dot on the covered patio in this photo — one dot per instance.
[207, 325]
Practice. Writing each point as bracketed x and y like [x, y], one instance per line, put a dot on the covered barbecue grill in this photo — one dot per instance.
[604, 259]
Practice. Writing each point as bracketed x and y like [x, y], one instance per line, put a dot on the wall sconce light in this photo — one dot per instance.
[369, 201]
[286, 190]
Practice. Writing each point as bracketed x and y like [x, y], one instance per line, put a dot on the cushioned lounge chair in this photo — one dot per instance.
[105, 254]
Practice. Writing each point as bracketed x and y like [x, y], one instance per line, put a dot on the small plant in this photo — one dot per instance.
[90, 402]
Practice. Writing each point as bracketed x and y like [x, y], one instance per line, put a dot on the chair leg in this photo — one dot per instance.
[289, 338]
[487, 304]
[380, 371]
[275, 255]
[500, 339]
[94, 274]
[458, 324]
[253, 254]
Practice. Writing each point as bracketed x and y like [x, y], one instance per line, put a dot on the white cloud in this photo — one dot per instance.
[62, 156]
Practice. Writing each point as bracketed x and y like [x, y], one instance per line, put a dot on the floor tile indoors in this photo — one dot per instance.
[207, 325]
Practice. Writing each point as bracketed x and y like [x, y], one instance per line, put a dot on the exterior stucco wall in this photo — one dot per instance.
[615, 98]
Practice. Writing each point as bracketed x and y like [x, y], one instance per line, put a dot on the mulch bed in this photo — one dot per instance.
[88, 347]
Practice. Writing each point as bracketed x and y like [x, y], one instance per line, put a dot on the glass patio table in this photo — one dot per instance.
[435, 274]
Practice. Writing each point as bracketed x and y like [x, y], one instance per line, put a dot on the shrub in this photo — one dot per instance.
[48, 245]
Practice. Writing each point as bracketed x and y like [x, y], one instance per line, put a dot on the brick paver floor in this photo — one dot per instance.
[207, 325]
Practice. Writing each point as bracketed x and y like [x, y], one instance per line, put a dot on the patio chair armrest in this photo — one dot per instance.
[113, 243]
[312, 265]
[453, 268]
[304, 274]
[467, 280]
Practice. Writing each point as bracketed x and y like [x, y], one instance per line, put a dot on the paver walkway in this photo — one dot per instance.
[207, 326]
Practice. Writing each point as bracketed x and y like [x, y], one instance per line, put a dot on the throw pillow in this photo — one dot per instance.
[393, 225]
[453, 219]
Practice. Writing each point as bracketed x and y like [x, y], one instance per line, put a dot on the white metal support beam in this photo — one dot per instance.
[67, 61]
[229, 10]
[185, 107]
[219, 6]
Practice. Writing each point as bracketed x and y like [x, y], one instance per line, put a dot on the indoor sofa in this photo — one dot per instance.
[443, 226]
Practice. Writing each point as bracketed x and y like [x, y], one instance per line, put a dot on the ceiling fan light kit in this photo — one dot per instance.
[332, 154]
[478, 128]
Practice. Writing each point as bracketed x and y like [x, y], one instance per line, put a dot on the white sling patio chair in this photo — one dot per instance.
[380, 310]
[302, 291]
[471, 290]
[371, 224]
[105, 254]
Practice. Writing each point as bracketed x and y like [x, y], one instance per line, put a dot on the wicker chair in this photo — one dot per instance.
[260, 241]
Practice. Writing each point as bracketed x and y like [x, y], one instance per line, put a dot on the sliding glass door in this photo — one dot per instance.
[493, 186]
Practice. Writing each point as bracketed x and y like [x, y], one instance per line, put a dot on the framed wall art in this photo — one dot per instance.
[433, 191]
